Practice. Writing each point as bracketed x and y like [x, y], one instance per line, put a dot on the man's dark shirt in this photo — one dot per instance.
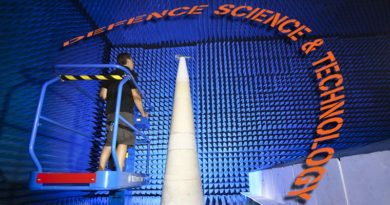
[127, 102]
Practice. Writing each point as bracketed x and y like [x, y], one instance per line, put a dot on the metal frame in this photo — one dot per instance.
[38, 116]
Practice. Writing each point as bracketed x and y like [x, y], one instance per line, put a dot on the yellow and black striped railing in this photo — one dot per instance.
[91, 77]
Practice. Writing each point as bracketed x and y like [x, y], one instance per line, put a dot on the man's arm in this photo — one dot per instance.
[138, 102]
[103, 93]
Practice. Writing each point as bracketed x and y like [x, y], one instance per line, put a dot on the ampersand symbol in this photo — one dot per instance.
[311, 46]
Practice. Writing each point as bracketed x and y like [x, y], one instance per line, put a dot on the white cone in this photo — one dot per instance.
[182, 183]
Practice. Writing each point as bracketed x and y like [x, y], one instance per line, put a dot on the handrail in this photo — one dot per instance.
[103, 66]
[116, 120]
[63, 126]
[133, 128]
[36, 123]
[116, 124]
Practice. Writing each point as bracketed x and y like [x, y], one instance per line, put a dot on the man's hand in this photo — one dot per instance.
[145, 114]
[103, 93]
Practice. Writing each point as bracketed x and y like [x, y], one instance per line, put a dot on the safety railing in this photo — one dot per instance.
[117, 119]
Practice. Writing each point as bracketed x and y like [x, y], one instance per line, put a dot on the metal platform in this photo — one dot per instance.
[100, 180]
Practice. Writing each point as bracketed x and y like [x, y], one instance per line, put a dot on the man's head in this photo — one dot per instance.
[125, 59]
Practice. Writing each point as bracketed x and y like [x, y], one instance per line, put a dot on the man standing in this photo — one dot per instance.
[130, 97]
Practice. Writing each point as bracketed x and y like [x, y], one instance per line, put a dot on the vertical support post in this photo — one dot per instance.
[36, 123]
[116, 122]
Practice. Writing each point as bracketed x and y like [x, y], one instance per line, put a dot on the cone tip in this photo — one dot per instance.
[182, 73]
